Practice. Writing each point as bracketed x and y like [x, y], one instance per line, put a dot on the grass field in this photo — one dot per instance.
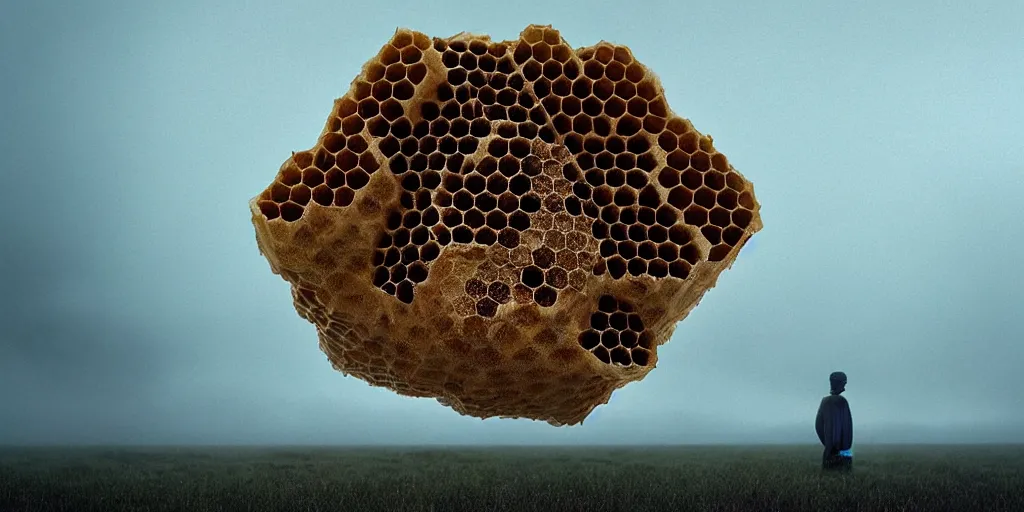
[783, 478]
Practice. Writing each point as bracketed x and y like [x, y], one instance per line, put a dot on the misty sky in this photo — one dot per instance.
[885, 141]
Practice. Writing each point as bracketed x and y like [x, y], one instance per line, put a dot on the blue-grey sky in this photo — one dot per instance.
[884, 140]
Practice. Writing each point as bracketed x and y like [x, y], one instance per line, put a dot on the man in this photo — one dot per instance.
[834, 425]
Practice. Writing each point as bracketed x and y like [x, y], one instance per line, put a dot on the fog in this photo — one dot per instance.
[884, 142]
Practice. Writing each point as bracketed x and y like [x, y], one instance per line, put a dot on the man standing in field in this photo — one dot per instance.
[834, 425]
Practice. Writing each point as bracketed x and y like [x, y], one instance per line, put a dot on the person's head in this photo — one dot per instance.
[838, 382]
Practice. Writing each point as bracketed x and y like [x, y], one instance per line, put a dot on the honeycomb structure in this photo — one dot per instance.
[512, 228]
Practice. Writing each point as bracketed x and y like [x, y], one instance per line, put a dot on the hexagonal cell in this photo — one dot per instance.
[499, 292]
[269, 209]
[628, 339]
[545, 296]
[508, 202]
[394, 72]
[680, 198]
[496, 220]
[624, 196]
[700, 161]
[603, 195]
[637, 107]
[647, 161]
[614, 106]
[637, 266]
[391, 110]
[391, 257]
[720, 217]
[403, 90]
[679, 269]
[519, 220]
[416, 73]
[728, 199]
[554, 202]
[607, 304]
[451, 217]
[343, 197]
[689, 142]
[734, 181]
[541, 51]
[442, 234]
[398, 272]
[640, 356]
[615, 71]
[610, 213]
[610, 339]
[668, 251]
[616, 265]
[300, 194]
[554, 240]
[473, 218]
[519, 147]
[576, 240]
[530, 203]
[532, 276]
[485, 236]
[531, 166]
[647, 250]
[618, 320]
[608, 248]
[567, 260]
[742, 218]
[557, 278]
[589, 339]
[313, 176]
[620, 356]
[463, 200]
[705, 197]
[657, 268]
[603, 89]
[695, 215]
[668, 141]
[486, 202]
[714, 180]
[646, 89]
[543, 257]
[732, 235]
[410, 253]
[666, 216]
[448, 145]
[486, 307]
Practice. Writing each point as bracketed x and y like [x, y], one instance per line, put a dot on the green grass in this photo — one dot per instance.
[515, 479]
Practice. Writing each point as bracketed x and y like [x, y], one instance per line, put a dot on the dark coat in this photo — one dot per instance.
[834, 424]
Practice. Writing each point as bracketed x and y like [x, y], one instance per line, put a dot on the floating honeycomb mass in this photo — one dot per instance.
[512, 228]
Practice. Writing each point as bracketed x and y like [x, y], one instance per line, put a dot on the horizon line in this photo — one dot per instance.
[476, 446]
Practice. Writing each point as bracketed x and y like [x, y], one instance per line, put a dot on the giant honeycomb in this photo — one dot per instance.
[512, 228]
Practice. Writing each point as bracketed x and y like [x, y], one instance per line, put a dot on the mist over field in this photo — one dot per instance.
[883, 141]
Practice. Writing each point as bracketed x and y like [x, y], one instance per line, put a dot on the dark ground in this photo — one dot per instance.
[933, 478]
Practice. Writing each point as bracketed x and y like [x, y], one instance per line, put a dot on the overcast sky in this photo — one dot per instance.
[885, 141]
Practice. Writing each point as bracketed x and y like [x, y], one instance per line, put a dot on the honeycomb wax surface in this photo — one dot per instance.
[512, 228]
